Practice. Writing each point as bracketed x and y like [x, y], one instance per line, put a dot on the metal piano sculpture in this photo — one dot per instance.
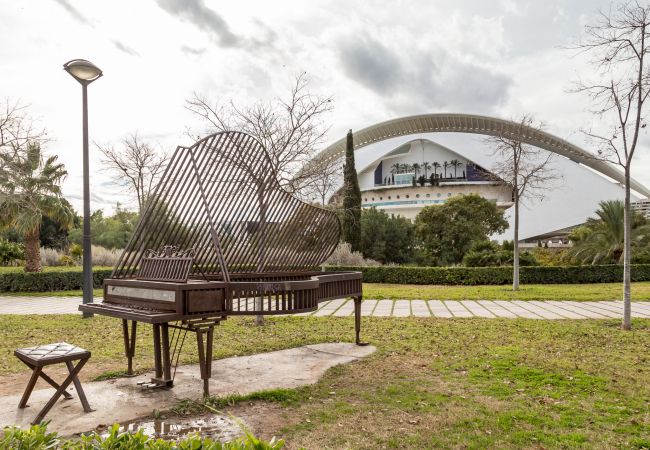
[231, 242]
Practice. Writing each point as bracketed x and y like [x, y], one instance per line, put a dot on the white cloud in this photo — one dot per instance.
[378, 59]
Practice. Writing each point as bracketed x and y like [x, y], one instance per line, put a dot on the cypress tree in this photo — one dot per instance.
[351, 222]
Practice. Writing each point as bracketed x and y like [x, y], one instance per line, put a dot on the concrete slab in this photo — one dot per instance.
[497, 310]
[346, 309]
[367, 307]
[580, 310]
[384, 308]
[457, 309]
[402, 308]
[438, 309]
[541, 311]
[328, 309]
[556, 307]
[419, 308]
[516, 309]
[122, 400]
[476, 309]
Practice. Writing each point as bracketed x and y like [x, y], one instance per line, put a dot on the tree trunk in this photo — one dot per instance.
[628, 217]
[515, 250]
[32, 251]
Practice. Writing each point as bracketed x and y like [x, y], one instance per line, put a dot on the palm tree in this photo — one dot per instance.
[416, 167]
[445, 165]
[395, 168]
[405, 167]
[30, 189]
[436, 166]
[600, 241]
[426, 166]
[455, 163]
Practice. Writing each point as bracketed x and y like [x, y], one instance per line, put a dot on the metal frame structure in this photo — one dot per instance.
[232, 242]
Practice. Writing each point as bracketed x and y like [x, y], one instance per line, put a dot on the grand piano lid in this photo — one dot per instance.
[221, 197]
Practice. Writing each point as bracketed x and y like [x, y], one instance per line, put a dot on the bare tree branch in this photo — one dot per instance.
[136, 165]
[290, 129]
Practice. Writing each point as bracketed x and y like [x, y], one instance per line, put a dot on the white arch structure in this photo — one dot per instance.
[471, 123]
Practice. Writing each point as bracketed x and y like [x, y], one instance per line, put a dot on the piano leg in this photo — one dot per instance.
[357, 320]
[205, 356]
[129, 343]
[162, 360]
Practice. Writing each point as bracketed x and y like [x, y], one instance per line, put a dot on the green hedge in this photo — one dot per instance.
[497, 275]
[60, 280]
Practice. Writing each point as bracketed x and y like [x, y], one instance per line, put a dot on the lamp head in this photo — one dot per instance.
[83, 71]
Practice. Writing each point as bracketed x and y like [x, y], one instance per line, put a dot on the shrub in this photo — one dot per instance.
[497, 275]
[11, 252]
[487, 253]
[51, 257]
[37, 438]
[51, 280]
[105, 257]
[344, 256]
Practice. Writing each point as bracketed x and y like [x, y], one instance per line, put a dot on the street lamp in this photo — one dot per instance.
[85, 73]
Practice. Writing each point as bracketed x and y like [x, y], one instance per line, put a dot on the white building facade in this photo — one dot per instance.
[421, 172]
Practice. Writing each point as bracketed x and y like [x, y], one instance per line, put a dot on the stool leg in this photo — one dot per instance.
[49, 380]
[80, 390]
[59, 391]
[30, 387]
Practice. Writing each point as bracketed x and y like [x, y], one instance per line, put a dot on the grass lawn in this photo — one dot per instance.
[465, 383]
[576, 292]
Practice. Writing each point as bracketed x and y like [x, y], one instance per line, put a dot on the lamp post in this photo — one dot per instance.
[85, 73]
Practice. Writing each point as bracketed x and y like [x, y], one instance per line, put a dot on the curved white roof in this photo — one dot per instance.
[475, 124]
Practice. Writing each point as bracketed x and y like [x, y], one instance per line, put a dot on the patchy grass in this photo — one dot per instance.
[575, 292]
[433, 383]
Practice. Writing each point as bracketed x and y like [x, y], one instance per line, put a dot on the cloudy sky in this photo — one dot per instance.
[378, 59]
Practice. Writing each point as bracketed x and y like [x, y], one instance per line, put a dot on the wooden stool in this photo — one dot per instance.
[43, 355]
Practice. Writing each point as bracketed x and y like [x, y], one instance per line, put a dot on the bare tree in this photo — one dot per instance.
[136, 165]
[291, 129]
[17, 129]
[322, 184]
[617, 44]
[526, 169]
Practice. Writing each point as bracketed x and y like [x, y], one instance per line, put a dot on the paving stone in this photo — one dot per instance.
[438, 309]
[497, 310]
[553, 307]
[516, 309]
[541, 311]
[476, 309]
[457, 309]
[384, 308]
[567, 310]
[582, 310]
[402, 308]
[419, 308]
[603, 312]
[328, 309]
[367, 306]
[345, 310]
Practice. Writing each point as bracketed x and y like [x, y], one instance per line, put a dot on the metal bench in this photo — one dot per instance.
[36, 358]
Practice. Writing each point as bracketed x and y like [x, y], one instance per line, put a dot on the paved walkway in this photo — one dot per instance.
[394, 308]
